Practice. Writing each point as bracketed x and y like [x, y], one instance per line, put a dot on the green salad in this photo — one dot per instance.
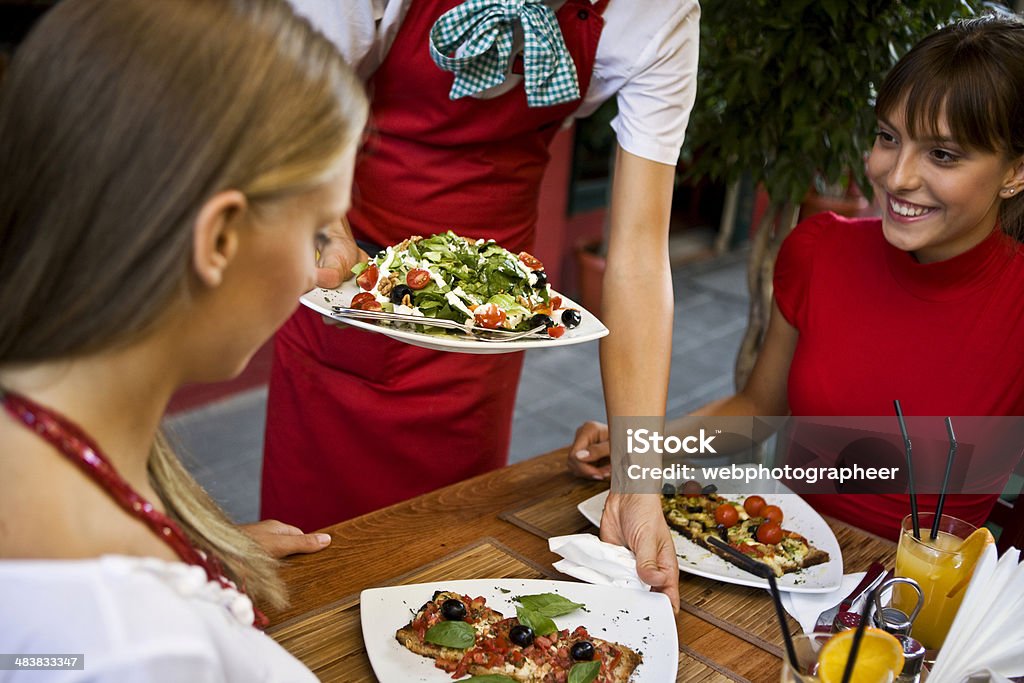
[473, 282]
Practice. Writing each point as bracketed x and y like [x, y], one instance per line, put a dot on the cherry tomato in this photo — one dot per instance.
[753, 505]
[773, 513]
[769, 533]
[555, 303]
[487, 315]
[691, 488]
[361, 299]
[556, 331]
[727, 515]
[417, 278]
[531, 262]
[368, 278]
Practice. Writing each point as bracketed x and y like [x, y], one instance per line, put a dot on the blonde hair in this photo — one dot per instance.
[118, 120]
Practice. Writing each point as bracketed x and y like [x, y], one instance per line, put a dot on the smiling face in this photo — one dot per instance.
[939, 197]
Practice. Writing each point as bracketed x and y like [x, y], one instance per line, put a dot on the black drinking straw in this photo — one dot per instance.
[945, 478]
[765, 572]
[859, 633]
[910, 471]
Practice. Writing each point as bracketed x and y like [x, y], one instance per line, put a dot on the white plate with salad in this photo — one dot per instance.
[639, 620]
[475, 283]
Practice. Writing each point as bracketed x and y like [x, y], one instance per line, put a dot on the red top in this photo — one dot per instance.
[875, 325]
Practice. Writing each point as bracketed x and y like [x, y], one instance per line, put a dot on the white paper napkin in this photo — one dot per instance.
[988, 632]
[805, 607]
[590, 559]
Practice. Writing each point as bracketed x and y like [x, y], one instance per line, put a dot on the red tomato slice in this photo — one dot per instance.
[555, 303]
[417, 278]
[772, 513]
[726, 515]
[753, 505]
[530, 261]
[769, 533]
[368, 278]
[489, 315]
[556, 331]
[364, 301]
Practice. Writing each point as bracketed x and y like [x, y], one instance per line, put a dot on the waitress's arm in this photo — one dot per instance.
[637, 308]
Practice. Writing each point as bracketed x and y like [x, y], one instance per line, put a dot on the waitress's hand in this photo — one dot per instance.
[635, 521]
[589, 453]
[281, 540]
[338, 253]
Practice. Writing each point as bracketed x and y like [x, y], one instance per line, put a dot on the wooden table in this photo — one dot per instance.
[496, 526]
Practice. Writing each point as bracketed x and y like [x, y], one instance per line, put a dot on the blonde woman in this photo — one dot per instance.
[167, 169]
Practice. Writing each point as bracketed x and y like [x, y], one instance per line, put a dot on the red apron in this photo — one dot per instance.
[356, 420]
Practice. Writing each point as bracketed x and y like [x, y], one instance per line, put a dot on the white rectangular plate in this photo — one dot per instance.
[323, 300]
[798, 516]
[640, 620]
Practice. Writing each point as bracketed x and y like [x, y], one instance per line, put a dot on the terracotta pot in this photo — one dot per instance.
[591, 275]
[852, 204]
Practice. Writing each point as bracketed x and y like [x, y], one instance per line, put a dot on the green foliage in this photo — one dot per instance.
[786, 89]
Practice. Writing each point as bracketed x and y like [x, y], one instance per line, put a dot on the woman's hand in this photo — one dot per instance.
[636, 521]
[281, 540]
[589, 452]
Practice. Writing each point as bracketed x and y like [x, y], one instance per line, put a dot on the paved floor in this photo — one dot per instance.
[222, 442]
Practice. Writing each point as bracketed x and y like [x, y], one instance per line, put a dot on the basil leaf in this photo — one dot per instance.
[488, 678]
[584, 672]
[548, 604]
[456, 634]
[540, 624]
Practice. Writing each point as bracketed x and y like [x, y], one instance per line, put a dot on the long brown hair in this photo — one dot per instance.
[118, 120]
[974, 71]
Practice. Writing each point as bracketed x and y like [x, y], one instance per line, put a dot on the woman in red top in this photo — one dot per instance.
[920, 304]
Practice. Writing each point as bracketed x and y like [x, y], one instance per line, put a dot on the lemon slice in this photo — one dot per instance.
[879, 658]
[970, 551]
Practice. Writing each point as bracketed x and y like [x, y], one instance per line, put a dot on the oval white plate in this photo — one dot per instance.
[640, 620]
[799, 517]
[323, 300]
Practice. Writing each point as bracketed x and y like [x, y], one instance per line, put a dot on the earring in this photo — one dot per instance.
[1009, 191]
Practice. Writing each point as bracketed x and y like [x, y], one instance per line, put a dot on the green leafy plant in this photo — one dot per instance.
[786, 89]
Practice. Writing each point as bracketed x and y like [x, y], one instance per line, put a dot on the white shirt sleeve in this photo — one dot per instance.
[647, 57]
[363, 30]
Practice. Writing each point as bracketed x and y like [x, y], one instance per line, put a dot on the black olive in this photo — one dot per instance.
[453, 610]
[540, 319]
[710, 488]
[521, 635]
[400, 292]
[668, 490]
[752, 530]
[571, 318]
[695, 508]
[722, 532]
[582, 651]
[542, 279]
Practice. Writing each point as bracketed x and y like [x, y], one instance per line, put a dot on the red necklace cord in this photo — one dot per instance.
[80, 449]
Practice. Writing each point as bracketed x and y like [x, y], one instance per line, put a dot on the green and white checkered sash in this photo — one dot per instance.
[474, 41]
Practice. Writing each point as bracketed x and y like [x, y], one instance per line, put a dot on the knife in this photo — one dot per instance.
[874, 576]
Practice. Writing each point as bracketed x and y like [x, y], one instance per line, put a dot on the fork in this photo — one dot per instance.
[480, 333]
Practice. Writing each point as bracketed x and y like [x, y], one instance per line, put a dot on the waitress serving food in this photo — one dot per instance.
[466, 98]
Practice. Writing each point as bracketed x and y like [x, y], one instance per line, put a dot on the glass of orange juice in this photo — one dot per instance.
[821, 658]
[941, 567]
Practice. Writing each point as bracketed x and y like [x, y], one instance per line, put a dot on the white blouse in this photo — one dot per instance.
[647, 58]
[135, 619]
